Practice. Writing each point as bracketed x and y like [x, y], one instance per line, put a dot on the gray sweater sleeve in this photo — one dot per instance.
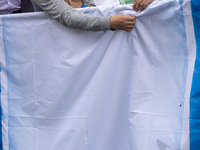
[65, 14]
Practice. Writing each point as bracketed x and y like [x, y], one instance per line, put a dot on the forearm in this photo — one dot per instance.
[65, 14]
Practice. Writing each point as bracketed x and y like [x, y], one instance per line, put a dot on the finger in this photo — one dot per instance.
[150, 1]
[134, 4]
[137, 4]
[145, 6]
[130, 19]
[130, 27]
[142, 6]
[130, 23]
[133, 17]
[147, 3]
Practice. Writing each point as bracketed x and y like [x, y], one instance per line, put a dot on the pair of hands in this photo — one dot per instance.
[121, 22]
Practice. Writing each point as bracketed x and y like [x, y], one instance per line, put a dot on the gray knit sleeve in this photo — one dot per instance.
[65, 14]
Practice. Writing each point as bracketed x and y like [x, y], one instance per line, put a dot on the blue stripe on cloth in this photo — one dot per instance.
[5, 51]
[1, 142]
[195, 91]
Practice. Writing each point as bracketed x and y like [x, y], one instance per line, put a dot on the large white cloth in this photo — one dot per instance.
[65, 89]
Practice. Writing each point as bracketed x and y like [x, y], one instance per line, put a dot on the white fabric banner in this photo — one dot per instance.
[66, 89]
[106, 2]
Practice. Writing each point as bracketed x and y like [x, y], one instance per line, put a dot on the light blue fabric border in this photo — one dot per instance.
[6, 51]
[195, 91]
[1, 142]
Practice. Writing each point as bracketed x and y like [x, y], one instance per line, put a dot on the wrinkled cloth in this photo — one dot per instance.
[66, 89]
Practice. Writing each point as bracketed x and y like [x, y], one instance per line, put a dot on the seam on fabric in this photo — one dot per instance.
[6, 145]
[1, 140]
[33, 75]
